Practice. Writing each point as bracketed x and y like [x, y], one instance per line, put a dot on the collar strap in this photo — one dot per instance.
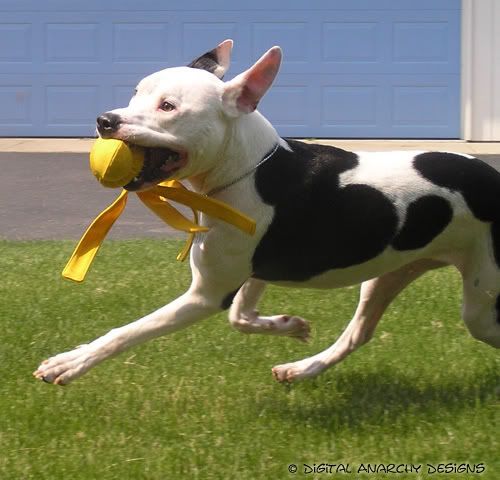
[246, 174]
[157, 200]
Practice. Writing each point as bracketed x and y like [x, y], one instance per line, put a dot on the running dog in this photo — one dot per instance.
[325, 217]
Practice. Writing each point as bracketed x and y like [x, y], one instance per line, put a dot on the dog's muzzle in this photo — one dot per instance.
[160, 163]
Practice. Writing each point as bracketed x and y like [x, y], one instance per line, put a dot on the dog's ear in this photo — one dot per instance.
[243, 93]
[215, 61]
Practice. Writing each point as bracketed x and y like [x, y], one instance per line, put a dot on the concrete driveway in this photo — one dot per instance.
[54, 196]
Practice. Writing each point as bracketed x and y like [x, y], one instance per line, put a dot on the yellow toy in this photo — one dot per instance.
[115, 163]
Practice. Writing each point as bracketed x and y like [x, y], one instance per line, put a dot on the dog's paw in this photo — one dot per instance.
[282, 325]
[285, 373]
[65, 367]
[293, 372]
[295, 327]
[287, 326]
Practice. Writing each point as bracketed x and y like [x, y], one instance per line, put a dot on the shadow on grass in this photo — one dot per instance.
[357, 401]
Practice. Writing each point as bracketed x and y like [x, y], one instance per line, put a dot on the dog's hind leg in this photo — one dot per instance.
[375, 296]
[244, 317]
[481, 305]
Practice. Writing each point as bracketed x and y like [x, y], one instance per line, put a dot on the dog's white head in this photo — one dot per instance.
[183, 115]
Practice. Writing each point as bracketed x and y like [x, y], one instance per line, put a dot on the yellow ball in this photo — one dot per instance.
[115, 163]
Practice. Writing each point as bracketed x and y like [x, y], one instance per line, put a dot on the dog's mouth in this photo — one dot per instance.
[159, 164]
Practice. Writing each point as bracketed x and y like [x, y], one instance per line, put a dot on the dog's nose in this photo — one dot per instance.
[108, 122]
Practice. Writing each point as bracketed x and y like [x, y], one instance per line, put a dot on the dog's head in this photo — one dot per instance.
[182, 115]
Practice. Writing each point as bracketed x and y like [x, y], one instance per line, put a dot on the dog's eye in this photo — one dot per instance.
[167, 106]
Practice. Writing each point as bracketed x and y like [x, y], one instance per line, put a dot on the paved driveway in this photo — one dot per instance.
[54, 196]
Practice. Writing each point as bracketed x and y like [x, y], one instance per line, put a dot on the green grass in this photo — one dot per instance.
[201, 404]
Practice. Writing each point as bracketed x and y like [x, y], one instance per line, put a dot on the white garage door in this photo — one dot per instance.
[353, 68]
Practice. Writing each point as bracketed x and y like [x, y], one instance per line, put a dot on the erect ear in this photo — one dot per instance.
[243, 93]
[215, 61]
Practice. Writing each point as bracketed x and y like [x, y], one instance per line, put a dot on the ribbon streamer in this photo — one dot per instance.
[156, 199]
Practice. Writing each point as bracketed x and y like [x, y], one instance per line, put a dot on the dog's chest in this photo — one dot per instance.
[326, 218]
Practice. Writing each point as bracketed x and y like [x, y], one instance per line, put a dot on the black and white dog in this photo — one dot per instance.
[325, 217]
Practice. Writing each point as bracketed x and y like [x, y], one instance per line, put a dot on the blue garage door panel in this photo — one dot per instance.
[352, 68]
[372, 74]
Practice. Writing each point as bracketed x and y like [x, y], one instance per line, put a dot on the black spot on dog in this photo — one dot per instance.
[478, 183]
[228, 299]
[426, 218]
[318, 225]
[208, 61]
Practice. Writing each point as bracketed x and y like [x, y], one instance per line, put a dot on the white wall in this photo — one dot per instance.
[481, 70]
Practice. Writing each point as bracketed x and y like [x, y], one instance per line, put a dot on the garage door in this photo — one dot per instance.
[353, 68]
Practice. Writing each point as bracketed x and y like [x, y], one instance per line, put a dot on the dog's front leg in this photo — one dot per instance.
[182, 312]
[244, 317]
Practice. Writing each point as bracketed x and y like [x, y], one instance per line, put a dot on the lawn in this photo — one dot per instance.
[202, 404]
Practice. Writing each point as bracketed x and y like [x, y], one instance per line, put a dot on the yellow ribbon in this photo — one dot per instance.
[157, 200]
